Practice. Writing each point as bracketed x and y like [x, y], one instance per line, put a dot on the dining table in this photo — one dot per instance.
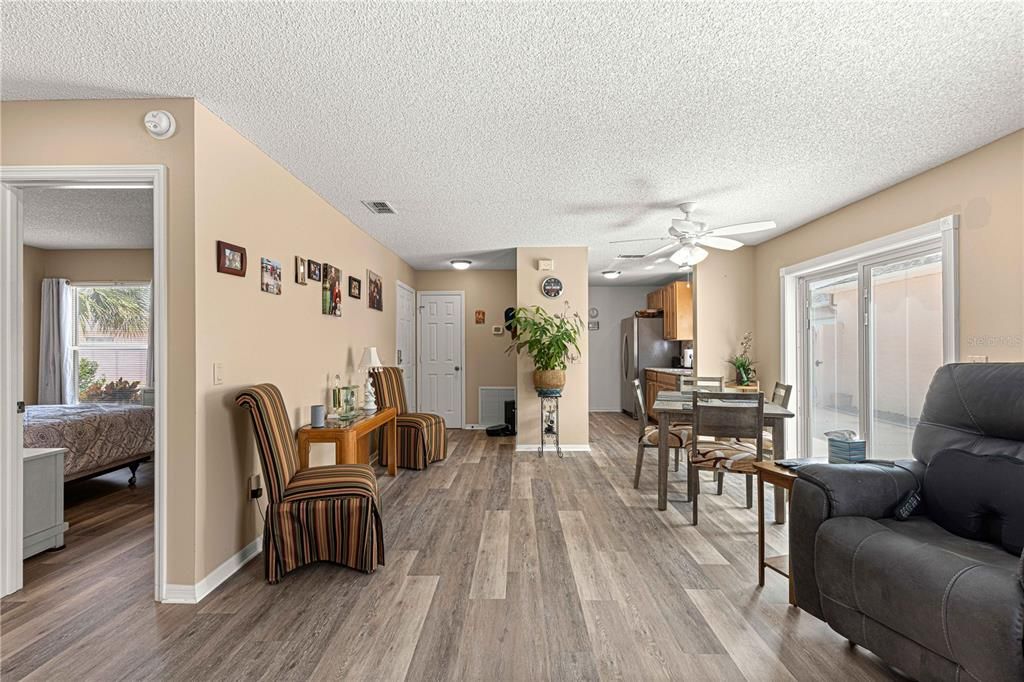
[676, 407]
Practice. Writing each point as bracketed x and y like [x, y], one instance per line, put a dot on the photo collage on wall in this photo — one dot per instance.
[231, 260]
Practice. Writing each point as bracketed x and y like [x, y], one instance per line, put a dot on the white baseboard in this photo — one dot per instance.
[193, 594]
[179, 594]
[567, 447]
[610, 409]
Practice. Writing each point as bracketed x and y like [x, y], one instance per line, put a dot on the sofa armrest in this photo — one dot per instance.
[871, 489]
[823, 491]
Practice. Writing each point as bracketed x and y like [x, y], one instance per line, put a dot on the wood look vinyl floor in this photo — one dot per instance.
[500, 566]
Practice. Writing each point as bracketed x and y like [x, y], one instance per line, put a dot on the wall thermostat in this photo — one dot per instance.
[551, 287]
[545, 264]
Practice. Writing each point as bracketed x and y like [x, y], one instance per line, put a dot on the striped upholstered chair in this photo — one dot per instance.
[421, 436]
[329, 513]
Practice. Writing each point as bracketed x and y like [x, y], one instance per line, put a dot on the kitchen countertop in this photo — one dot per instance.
[671, 370]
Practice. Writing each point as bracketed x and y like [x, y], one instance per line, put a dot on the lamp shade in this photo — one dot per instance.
[370, 358]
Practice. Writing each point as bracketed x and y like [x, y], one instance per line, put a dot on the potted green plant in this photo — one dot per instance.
[551, 340]
[744, 366]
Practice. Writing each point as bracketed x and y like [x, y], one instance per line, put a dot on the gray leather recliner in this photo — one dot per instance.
[940, 595]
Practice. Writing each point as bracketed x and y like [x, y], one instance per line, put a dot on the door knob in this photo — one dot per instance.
[819, 363]
[457, 368]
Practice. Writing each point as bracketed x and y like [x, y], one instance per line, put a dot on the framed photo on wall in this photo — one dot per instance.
[231, 259]
[331, 290]
[313, 270]
[374, 290]
[270, 276]
[300, 270]
[355, 287]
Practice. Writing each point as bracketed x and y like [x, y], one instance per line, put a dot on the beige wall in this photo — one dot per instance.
[111, 132]
[244, 197]
[571, 268]
[84, 265]
[486, 362]
[985, 187]
[724, 309]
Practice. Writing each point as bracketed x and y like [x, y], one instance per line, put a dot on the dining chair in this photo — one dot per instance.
[780, 396]
[326, 513]
[678, 434]
[422, 437]
[718, 420]
[714, 383]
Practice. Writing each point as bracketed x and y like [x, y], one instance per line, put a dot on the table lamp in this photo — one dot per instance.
[369, 361]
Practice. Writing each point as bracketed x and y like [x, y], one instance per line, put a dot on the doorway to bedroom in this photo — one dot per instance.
[90, 411]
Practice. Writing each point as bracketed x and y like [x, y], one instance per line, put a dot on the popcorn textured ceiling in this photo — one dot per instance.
[491, 126]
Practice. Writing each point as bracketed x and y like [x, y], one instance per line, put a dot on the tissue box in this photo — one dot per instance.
[846, 451]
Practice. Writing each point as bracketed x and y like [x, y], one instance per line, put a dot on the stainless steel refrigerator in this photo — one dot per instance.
[643, 346]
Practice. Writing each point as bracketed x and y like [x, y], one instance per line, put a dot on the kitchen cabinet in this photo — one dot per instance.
[675, 300]
[655, 300]
[655, 381]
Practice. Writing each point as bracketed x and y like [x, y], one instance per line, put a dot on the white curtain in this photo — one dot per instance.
[56, 334]
[150, 358]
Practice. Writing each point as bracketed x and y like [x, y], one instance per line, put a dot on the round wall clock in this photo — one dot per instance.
[551, 287]
[593, 313]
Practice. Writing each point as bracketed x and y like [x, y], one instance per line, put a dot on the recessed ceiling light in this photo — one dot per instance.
[648, 267]
[611, 274]
[461, 264]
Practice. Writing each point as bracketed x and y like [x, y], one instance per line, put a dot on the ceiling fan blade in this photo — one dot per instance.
[743, 228]
[674, 244]
[646, 239]
[723, 243]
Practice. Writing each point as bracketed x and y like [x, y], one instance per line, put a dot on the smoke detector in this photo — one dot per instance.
[160, 124]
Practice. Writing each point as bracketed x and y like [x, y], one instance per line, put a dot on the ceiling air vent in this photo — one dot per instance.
[627, 256]
[380, 207]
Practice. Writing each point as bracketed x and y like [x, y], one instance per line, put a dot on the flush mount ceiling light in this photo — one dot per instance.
[461, 264]
[611, 274]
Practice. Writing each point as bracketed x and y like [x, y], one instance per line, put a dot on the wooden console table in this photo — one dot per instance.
[351, 438]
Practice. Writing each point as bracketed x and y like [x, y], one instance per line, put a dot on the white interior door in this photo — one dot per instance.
[405, 343]
[440, 359]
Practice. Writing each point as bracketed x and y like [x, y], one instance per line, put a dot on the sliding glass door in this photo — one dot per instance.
[832, 362]
[872, 338]
[904, 337]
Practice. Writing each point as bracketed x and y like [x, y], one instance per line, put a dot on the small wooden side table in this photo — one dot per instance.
[347, 436]
[782, 478]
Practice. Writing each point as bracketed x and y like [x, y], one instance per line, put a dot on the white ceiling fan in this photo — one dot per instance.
[688, 236]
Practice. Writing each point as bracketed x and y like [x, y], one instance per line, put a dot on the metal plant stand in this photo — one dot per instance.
[549, 422]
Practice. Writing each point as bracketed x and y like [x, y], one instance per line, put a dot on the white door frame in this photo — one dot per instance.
[399, 284]
[419, 345]
[11, 464]
[792, 308]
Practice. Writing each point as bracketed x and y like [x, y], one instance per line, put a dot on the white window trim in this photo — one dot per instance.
[946, 229]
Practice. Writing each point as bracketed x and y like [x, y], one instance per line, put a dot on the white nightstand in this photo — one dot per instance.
[44, 500]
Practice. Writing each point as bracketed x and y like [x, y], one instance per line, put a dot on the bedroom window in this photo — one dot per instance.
[111, 341]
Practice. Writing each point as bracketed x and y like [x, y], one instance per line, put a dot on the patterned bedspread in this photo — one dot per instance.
[97, 436]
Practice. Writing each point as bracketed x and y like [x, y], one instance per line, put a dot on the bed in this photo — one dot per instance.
[100, 437]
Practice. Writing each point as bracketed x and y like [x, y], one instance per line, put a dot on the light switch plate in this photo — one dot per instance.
[218, 373]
